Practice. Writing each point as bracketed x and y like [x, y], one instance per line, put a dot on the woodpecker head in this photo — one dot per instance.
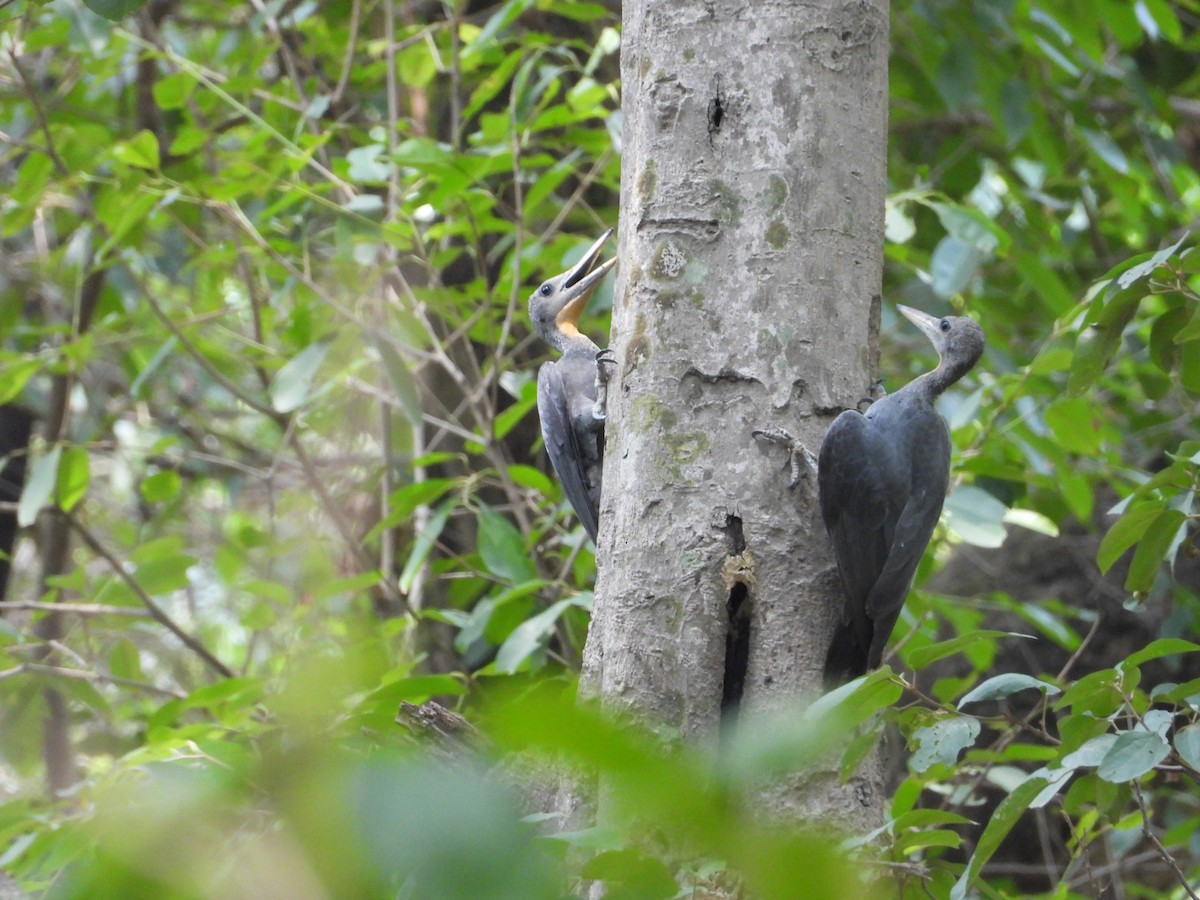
[555, 307]
[957, 339]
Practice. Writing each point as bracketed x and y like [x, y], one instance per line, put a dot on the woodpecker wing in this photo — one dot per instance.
[854, 505]
[562, 444]
[911, 530]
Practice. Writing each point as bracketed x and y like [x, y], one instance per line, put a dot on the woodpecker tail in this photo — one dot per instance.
[846, 659]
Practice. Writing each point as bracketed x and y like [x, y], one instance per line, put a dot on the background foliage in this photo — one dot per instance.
[263, 281]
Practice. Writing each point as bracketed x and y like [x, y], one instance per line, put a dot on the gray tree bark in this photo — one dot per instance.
[751, 247]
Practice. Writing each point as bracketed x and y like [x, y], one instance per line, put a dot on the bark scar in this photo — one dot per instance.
[716, 110]
[737, 574]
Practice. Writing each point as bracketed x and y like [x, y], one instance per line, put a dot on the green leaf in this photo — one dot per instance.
[943, 741]
[923, 656]
[1032, 521]
[1091, 753]
[856, 701]
[74, 475]
[1011, 809]
[418, 689]
[349, 585]
[1143, 265]
[1105, 148]
[140, 151]
[114, 10]
[405, 500]
[424, 543]
[953, 265]
[971, 227]
[416, 65]
[1132, 755]
[1076, 423]
[39, 487]
[502, 548]
[172, 91]
[506, 420]
[1189, 367]
[161, 565]
[529, 477]
[532, 635]
[1057, 296]
[404, 384]
[161, 486]
[1096, 694]
[495, 618]
[124, 660]
[1163, 348]
[1003, 685]
[976, 516]
[631, 875]
[857, 749]
[936, 837]
[1153, 549]
[1187, 745]
[1094, 347]
[1160, 648]
[15, 374]
[1188, 332]
[1126, 532]
[1157, 18]
[291, 385]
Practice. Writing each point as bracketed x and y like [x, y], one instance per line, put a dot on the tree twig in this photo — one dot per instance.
[82, 675]
[156, 612]
[1158, 845]
[79, 609]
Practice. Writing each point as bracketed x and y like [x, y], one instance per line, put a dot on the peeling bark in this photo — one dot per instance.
[751, 247]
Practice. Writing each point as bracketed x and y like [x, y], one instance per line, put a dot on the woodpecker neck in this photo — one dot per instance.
[567, 339]
[932, 384]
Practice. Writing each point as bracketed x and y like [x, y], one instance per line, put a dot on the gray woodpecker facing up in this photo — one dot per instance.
[572, 390]
[882, 478]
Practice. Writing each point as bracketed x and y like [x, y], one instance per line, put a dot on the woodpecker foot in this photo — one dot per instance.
[800, 458]
[875, 392]
[605, 357]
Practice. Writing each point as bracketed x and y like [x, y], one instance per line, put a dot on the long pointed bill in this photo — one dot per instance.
[927, 323]
[580, 283]
[581, 268]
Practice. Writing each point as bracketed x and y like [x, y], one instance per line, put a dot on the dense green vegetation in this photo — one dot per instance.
[264, 271]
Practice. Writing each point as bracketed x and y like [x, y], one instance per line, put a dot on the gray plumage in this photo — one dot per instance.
[571, 414]
[882, 478]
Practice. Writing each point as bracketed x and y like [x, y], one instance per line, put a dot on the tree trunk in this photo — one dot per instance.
[751, 247]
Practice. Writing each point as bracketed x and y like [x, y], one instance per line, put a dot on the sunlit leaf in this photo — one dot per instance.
[976, 516]
[39, 487]
[74, 475]
[1000, 686]
[291, 385]
[141, 150]
[1133, 754]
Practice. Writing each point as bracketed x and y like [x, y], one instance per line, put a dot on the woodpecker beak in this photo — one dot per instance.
[927, 323]
[581, 268]
[582, 279]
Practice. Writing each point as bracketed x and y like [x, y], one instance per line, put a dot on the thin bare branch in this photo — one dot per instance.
[81, 675]
[79, 609]
[156, 612]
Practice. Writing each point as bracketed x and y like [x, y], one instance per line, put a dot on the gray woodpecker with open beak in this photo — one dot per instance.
[572, 390]
[882, 476]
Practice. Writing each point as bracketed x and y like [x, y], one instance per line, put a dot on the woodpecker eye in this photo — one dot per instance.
[545, 289]
[944, 324]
